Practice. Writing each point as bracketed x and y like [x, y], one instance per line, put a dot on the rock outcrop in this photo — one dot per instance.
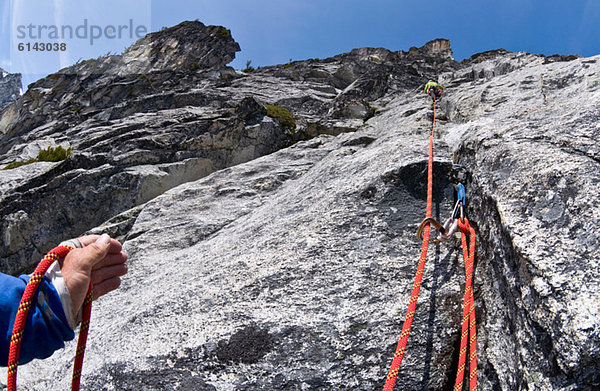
[10, 88]
[169, 111]
[278, 267]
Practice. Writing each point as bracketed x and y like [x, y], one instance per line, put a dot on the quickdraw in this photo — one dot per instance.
[450, 226]
[456, 222]
[21, 318]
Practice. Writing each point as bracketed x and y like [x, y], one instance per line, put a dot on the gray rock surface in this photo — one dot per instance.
[135, 135]
[10, 88]
[292, 271]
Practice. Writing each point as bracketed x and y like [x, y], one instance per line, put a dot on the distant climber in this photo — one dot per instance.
[57, 308]
[434, 90]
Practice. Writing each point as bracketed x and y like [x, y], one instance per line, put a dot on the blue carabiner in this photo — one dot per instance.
[460, 194]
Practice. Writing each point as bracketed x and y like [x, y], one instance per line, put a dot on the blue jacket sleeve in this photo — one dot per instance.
[47, 327]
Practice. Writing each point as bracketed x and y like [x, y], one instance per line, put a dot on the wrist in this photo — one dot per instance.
[56, 278]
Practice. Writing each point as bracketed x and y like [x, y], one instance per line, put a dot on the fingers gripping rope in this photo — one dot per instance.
[21, 318]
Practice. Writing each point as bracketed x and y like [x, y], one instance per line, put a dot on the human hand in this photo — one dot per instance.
[100, 261]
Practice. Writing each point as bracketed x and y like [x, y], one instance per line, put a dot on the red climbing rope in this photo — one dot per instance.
[468, 326]
[21, 318]
[412, 304]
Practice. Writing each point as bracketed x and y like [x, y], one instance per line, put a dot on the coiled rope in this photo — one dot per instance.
[21, 318]
[468, 326]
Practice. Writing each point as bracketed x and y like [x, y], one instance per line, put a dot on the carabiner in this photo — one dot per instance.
[460, 202]
[433, 222]
[461, 194]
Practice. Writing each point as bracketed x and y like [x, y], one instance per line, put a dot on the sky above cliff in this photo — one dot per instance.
[273, 31]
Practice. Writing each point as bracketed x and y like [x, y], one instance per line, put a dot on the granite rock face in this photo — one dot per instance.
[165, 112]
[10, 88]
[290, 267]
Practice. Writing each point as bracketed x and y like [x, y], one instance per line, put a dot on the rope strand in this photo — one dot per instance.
[412, 304]
[468, 334]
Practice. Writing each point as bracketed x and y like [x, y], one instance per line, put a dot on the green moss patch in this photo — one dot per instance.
[283, 115]
[45, 155]
[54, 154]
[224, 33]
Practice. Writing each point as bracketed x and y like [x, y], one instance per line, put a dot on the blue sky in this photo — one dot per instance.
[274, 31]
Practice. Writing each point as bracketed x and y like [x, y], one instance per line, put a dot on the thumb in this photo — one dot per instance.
[96, 251]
